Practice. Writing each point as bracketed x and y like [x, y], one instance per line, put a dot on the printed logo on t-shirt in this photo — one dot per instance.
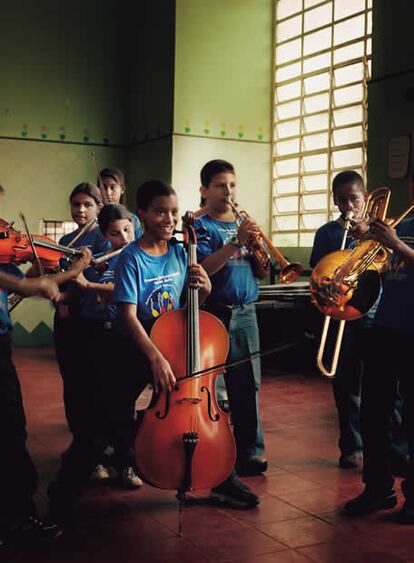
[161, 301]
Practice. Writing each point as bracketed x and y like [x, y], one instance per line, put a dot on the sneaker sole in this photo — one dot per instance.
[224, 500]
[383, 505]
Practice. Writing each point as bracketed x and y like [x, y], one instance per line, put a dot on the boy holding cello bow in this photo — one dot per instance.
[149, 281]
[150, 276]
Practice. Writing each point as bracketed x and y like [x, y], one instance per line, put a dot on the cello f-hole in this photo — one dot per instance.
[210, 415]
[167, 407]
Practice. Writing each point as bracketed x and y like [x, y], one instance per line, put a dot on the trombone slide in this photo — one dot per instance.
[319, 359]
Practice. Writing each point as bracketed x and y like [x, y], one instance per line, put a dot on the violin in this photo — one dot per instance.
[185, 442]
[16, 248]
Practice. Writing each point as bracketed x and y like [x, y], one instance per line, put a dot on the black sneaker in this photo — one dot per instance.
[31, 531]
[370, 501]
[61, 506]
[253, 465]
[233, 493]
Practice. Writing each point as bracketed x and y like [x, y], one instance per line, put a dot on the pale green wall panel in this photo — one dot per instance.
[152, 70]
[223, 68]
[251, 162]
[33, 322]
[63, 70]
[147, 161]
[391, 94]
[39, 176]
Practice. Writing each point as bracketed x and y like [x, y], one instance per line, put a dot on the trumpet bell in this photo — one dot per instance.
[290, 273]
[348, 300]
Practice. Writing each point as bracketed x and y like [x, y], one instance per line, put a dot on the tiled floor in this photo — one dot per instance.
[298, 519]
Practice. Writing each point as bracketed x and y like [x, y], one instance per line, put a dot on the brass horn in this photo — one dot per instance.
[345, 284]
[264, 251]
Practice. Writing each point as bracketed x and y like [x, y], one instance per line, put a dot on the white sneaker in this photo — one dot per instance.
[129, 479]
[100, 473]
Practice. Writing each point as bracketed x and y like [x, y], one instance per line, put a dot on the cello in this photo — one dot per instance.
[185, 442]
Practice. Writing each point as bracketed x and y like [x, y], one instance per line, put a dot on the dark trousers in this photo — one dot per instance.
[68, 343]
[387, 373]
[347, 383]
[116, 375]
[18, 476]
[356, 345]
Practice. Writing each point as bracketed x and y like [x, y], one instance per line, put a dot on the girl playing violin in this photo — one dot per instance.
[113, 181]
[85, 204]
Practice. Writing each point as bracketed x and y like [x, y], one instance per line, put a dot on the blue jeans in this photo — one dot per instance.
[243, 381]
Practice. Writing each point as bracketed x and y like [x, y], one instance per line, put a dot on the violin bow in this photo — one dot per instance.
[84, 231]
[14, 300]
[36, 256]
[100, 181]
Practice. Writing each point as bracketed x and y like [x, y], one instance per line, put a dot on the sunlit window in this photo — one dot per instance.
[322, 65]
[56, 229]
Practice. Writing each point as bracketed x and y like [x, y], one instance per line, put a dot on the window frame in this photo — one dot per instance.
[300, 233]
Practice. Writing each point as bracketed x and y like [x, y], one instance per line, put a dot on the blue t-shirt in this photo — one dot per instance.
[92, 305]
[137, 226]
[98, 245]
[396, 307]
[5, 321]
[153, 283]
[92, 239]
[234, 283]
[328, 238]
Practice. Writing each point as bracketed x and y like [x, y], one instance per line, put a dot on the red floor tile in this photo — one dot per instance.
[299, 518]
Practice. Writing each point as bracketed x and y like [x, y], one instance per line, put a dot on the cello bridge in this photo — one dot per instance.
[192, 400]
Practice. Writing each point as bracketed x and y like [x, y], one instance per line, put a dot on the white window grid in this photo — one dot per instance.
[55, 229]
[322, 65]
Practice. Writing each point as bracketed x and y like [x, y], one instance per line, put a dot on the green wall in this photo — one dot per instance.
[64, 92]
[222, 97]
[63, 71]
[390, 93]
[223, 69]
[151, 94]
[157, 90]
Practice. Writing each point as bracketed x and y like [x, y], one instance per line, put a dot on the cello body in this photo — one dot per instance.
[191, 408]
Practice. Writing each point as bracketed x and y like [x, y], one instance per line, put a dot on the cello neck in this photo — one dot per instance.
[193, 321]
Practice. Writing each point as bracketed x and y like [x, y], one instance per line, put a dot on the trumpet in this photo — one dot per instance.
[345, 284]
[264, 251]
